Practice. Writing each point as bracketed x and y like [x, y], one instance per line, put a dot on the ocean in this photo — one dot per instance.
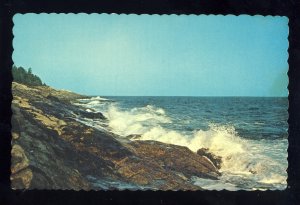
[249, 133]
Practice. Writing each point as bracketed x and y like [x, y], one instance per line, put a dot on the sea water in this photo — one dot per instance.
[249, 133]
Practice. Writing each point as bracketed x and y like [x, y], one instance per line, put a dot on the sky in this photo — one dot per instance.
[152, 55]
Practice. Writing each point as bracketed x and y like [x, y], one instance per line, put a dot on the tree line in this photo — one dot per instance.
[26, 77]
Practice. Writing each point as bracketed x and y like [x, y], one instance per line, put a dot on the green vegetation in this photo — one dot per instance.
[25, 76]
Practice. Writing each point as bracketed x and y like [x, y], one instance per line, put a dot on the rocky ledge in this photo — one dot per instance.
[52, 150]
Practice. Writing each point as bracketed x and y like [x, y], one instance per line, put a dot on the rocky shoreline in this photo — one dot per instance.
[52, 150]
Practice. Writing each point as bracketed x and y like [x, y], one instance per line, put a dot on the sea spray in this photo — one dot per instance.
[246, 163]
[136, 120]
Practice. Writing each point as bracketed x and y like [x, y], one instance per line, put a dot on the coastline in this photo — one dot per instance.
[53, 150]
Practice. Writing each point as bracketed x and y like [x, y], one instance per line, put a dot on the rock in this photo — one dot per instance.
[15, 135]
[134, 136]
[54, 151]
[61, 123]
[216, 160]
[90, 115]
[177, 159]
[252, 171]
[52, 98]
[21, 175]
[19, 160]
[22, 179]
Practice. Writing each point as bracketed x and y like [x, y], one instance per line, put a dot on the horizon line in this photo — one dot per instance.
[186, 96]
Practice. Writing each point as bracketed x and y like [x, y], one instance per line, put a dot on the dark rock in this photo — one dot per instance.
[90, 115]
[52, 98]
[134, 136]
[216, 160]
[51, 150]
[175, 158]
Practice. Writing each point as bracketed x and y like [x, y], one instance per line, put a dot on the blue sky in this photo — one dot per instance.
[155, 55]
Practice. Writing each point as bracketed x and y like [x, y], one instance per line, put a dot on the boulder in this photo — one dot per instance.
[216, 160]
[90, 115]
[19, 160]
[174, 158]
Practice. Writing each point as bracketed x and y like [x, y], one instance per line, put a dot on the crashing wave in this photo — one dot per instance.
[241, 158]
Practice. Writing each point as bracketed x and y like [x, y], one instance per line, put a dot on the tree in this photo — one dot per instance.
[20, 75]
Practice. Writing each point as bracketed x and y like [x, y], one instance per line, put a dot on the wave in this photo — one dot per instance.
[239, 156]
[136, 120]
[99, 98]
[91, 101]
[242, 159]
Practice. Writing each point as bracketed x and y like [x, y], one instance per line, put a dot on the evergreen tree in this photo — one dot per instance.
[26, 77]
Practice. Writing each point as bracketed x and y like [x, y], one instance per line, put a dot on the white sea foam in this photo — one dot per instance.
[99, 98]
[242, 159]
[136, 120]
[274, 179]
[92, 100]
[89, 110]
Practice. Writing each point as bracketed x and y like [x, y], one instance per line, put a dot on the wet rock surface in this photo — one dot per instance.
[52, 150]
[216, 160]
